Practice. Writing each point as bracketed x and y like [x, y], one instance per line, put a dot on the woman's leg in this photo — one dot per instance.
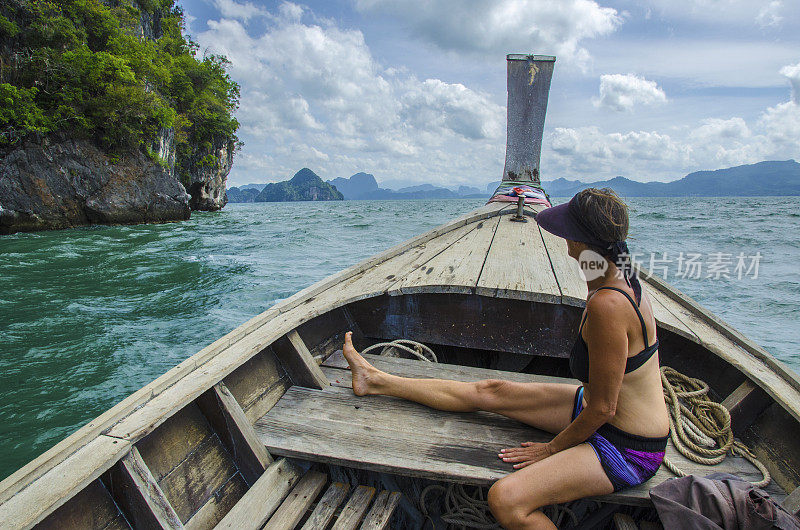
[547, 406]
[516, 499]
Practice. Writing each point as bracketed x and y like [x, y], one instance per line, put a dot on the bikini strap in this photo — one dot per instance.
[635, 307]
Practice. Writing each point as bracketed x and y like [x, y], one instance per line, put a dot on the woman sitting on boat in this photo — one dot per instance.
[611, 431]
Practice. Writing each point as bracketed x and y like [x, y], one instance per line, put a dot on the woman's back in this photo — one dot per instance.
[641, 409]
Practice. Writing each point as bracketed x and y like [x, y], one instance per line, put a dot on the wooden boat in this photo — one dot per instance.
[261, 427]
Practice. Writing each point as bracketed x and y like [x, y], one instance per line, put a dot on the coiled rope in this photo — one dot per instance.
[700, 428]
[411, 347]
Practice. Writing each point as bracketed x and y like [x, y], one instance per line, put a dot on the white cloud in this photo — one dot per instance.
[781, 126]
[623, 92]
[312, 93]
[503, 26]
[646, 155]
[243, 11]
[769, 15]
[719, 61]
[434, 103]
[720, 13]
[715, 128]
[792, 73]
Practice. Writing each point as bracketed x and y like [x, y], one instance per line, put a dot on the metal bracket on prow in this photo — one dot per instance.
[528, 88]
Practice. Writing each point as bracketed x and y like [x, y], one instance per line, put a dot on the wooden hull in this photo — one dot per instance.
[485, 293]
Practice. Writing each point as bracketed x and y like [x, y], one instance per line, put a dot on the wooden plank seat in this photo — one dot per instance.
[391, 435]
[284, 499]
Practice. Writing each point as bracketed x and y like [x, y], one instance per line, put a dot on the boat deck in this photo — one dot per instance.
[391, 435]
[481, 258]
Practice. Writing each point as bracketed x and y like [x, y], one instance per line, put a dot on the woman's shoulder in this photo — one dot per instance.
[608, 299]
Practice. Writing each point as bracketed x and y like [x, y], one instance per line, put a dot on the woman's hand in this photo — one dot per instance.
[528, 453]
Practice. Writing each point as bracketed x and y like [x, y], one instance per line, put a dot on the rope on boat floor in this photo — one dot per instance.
[470, 509]
[412, 347]
[702, 430]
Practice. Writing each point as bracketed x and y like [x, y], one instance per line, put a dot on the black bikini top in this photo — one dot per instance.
[579, 357]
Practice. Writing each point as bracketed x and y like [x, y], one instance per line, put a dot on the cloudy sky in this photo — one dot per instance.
[414, 91]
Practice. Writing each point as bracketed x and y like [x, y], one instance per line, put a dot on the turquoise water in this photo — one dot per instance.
[90, 315]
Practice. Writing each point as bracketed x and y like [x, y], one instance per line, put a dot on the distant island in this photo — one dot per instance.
[763, 178]
[305, 185]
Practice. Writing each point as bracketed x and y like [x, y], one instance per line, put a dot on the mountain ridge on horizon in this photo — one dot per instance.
[771, 177]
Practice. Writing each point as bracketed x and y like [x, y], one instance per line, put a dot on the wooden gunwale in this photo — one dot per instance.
[143, 411]
[725, 329]
[19, 479]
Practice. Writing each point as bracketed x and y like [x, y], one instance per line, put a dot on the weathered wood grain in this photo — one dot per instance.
[298, 501]
[194, 481]
[381, 512]
[93, 507]
[235, 431]
[295, 356]
[517, 265]
[325, 509]
[387, 276]
[261, 501]
[792, 502]
[457, 268]
[386, 434]
[666, 318]
[745, 404]
[265, 401]
[565, 269]
[218, 505]
[248, 382]
[178, 436]
[353, 512]
[150, 496]
[338, 372]
[707, 329]
[60, 483]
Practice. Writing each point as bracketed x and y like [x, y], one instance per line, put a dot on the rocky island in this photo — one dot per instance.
[305, 185]
[109, 118]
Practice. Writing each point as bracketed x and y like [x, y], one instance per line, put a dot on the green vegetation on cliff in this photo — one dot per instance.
[119, 72]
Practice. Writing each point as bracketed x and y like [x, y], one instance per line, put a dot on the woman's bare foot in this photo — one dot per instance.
[365, 376]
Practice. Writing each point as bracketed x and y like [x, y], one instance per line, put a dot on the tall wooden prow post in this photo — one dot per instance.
[528, 88]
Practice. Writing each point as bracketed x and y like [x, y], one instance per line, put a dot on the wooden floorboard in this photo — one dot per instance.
[396, 436]
[456, 269]
[565, 269]
[418, 369]
[517, 265]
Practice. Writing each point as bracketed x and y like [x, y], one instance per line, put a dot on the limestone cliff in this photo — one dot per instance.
[50, 183]
[145, 141]
[206, 182]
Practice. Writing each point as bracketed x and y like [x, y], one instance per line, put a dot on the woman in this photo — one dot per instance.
[611, 431]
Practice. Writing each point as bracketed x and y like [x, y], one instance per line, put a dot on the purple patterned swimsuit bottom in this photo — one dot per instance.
[627, 459]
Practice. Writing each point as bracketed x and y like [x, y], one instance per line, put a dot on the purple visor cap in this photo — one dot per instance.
[561, 220]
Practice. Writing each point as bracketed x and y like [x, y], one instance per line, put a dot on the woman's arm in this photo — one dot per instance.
[607, 340]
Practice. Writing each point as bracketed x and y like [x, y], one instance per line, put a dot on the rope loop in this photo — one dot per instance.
[700, 428]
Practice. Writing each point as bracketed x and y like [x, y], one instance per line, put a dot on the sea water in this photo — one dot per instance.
[90, 315]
